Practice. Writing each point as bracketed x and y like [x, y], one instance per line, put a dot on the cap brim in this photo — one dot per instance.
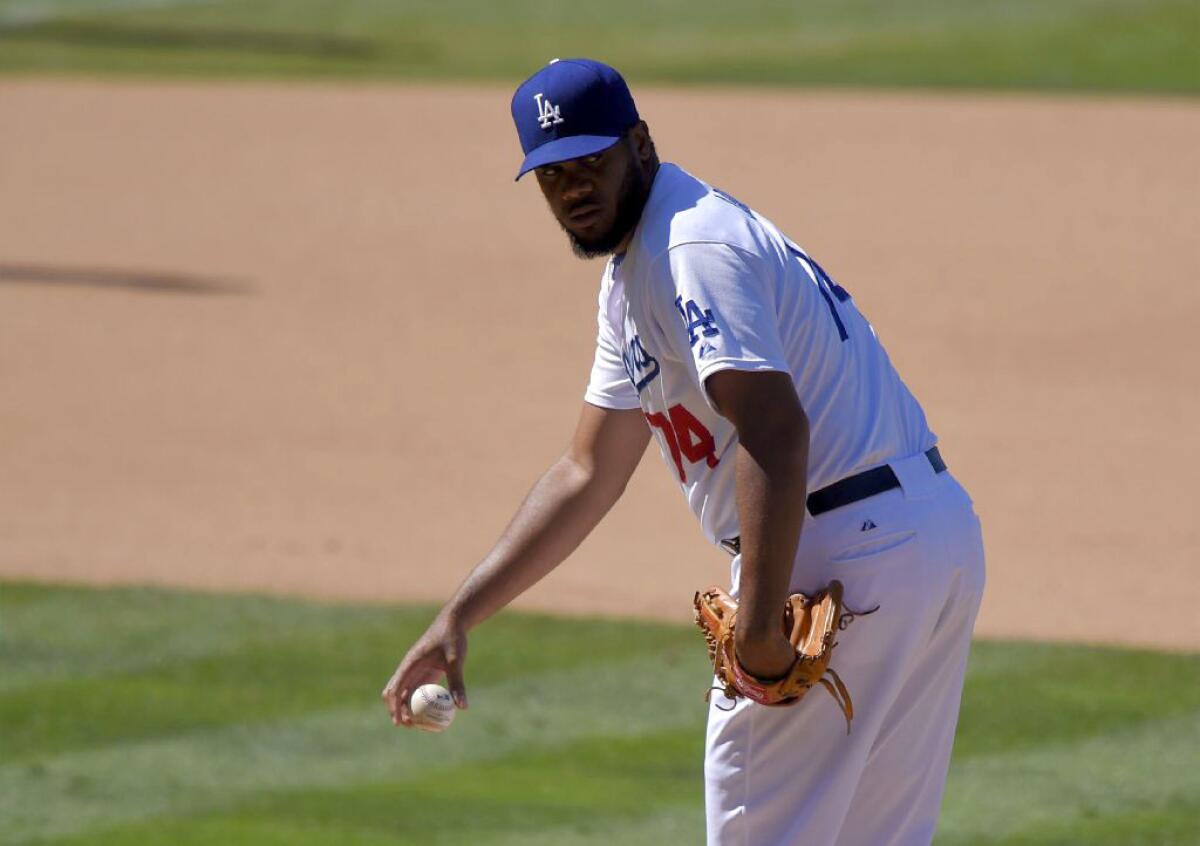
[564, 149]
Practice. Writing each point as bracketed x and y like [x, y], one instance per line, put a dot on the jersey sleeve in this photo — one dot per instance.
[716, 305]
[608, 385]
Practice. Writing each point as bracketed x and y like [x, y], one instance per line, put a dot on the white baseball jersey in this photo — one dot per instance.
[707, 284]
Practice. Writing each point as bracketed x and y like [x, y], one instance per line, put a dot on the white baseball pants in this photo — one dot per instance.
[792, 776]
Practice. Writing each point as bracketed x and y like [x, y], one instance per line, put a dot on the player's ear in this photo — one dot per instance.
[643, 145]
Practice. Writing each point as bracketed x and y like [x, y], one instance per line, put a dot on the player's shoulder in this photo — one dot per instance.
[683, 210]
[607, 281]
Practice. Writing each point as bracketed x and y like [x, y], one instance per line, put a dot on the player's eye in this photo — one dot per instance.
[548, 171]
[593, 159]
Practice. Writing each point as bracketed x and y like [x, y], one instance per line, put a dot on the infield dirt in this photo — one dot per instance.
[314, 340]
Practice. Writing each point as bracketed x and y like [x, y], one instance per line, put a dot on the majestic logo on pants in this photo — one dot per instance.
[548, 113]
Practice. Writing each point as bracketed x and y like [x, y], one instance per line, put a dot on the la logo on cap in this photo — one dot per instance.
[548, 113]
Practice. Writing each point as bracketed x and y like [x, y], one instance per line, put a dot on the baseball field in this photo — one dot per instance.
[282, 346]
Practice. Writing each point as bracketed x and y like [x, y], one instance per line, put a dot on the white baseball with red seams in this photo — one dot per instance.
[432, 708]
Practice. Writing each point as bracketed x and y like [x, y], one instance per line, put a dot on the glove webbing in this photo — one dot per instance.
[837, 689]
[843, 701]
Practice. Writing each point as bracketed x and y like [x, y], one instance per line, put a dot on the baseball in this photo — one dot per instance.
[432, 708]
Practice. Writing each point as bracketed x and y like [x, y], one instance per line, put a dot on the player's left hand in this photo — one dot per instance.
[765, 658]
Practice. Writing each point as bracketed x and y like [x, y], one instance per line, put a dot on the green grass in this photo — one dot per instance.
[1104, 45]
[150, 716]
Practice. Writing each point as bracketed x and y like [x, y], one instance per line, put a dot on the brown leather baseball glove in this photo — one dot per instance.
[810, 623]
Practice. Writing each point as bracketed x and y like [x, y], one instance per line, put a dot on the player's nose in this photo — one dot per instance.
[575, 189]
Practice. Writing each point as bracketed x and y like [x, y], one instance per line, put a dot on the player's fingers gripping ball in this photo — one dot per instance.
[810, 623]
[432, 708]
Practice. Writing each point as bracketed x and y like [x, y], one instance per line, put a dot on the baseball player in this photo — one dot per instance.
[798, 448]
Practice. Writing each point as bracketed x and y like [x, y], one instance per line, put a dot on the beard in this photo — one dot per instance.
[630, 201]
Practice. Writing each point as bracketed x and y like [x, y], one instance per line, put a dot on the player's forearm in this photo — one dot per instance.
[561, 509]
[771, 489]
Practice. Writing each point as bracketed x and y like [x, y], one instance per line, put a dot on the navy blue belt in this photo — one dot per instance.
[849, 490]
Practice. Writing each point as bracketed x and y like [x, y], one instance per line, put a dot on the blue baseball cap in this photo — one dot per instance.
[568, 109]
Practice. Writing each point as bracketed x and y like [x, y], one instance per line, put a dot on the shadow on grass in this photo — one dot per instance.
[171, 283]
[103, 34]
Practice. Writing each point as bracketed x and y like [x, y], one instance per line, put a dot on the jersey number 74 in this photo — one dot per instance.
[828, 288]
[686, 437]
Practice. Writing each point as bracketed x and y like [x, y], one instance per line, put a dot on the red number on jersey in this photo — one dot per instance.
[659, 421]
[686, 437]
[687, 428]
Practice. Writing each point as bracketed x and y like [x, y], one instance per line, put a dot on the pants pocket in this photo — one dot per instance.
[868, 550]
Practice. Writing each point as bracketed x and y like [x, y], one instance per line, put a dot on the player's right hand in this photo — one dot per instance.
[442, 650]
